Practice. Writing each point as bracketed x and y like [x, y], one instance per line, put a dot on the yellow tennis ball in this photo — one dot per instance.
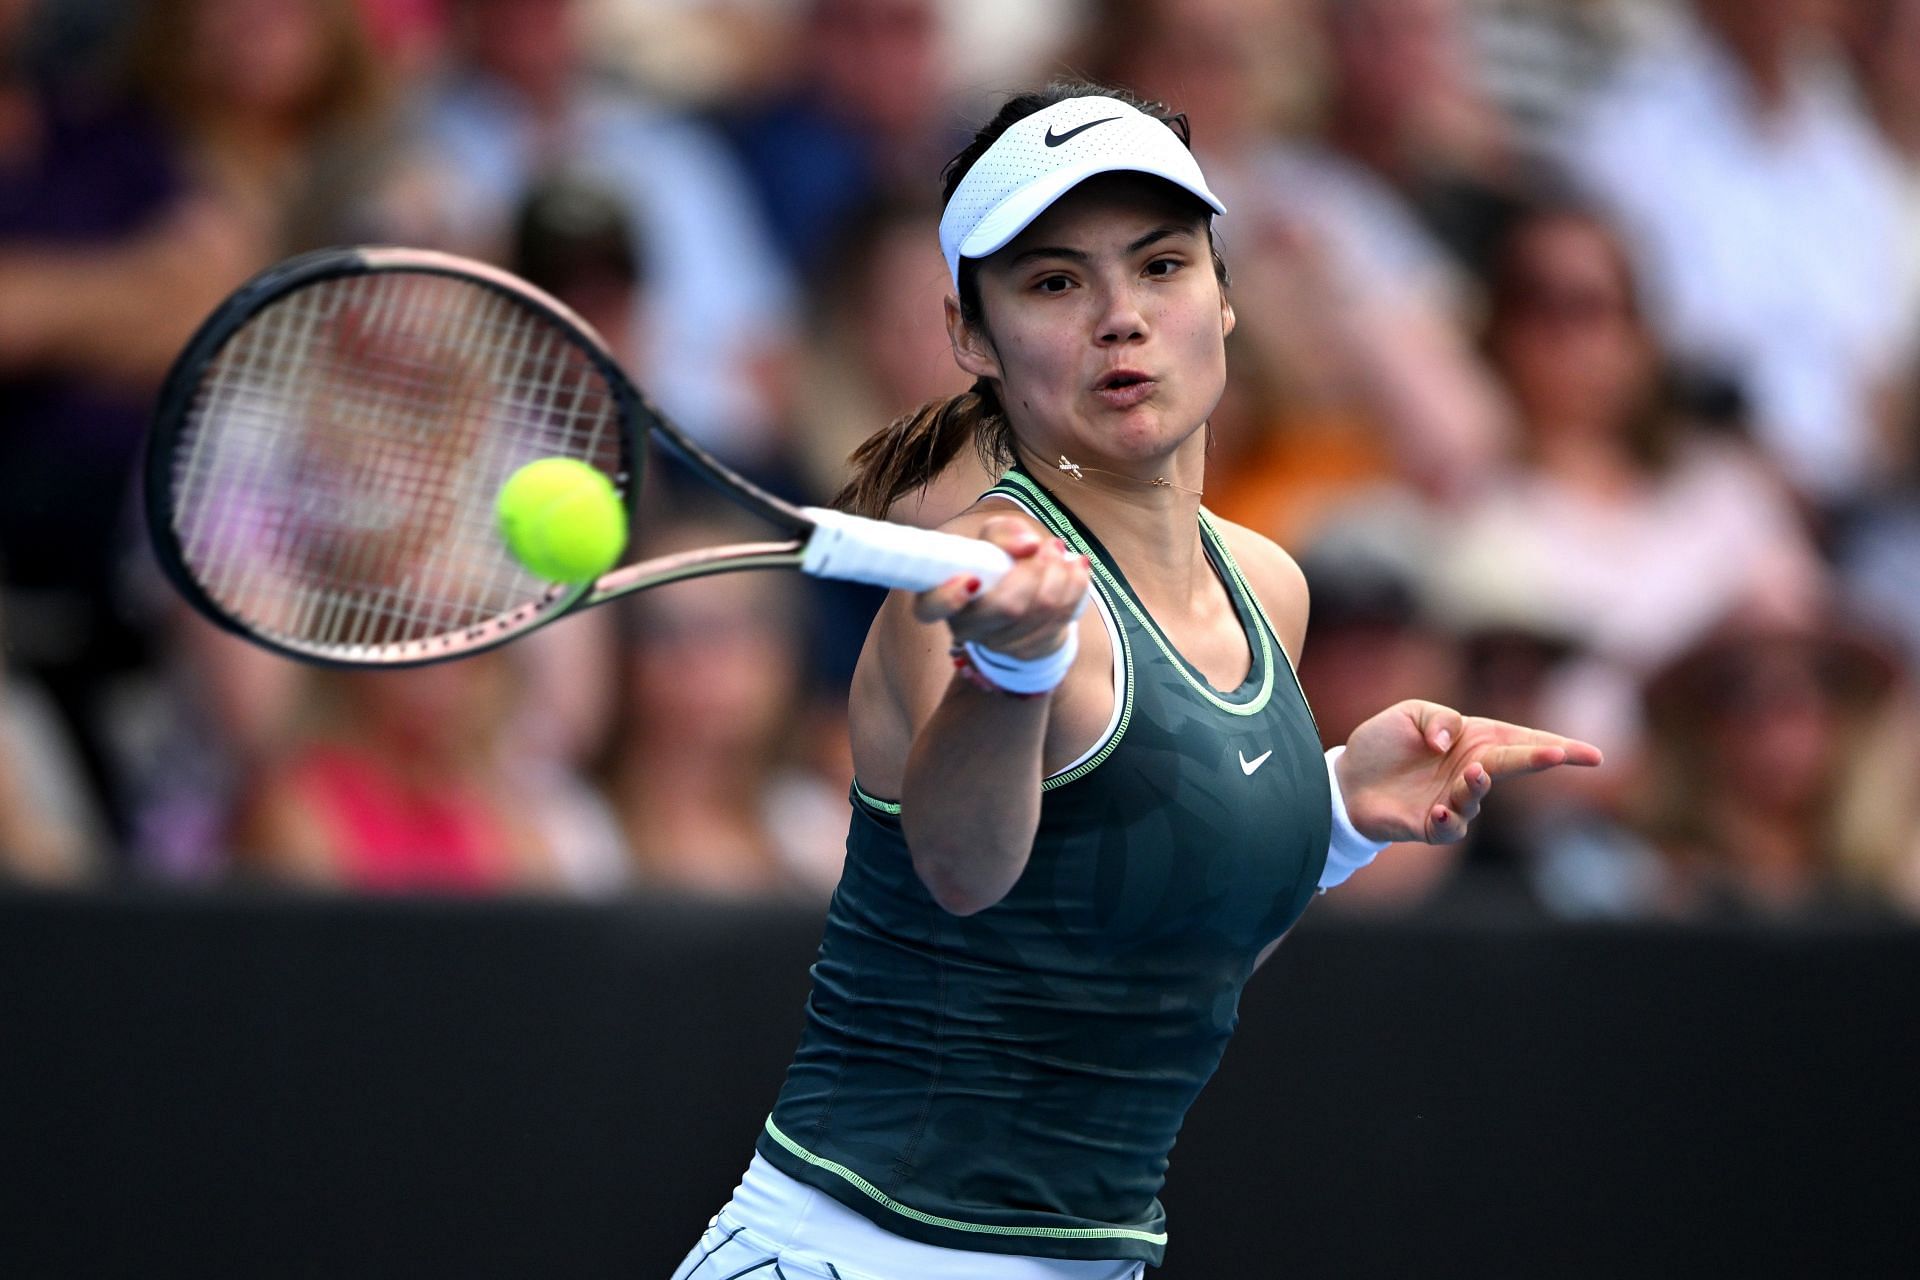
[562, 519]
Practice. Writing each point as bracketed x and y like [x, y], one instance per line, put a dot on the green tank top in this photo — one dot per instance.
[1012, 1081]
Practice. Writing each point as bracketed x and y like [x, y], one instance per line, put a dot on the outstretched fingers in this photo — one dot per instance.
[1541, 751]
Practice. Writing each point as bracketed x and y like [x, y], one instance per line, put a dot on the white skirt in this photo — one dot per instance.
[776, 1226]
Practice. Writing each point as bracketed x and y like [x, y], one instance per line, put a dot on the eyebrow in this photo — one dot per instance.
[1078, 255]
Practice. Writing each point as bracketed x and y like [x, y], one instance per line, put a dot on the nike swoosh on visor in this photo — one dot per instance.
[1055, 139]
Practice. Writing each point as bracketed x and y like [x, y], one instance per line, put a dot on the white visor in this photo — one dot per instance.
[1045, 155]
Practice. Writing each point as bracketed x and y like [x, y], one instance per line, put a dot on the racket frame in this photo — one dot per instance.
[638, 419]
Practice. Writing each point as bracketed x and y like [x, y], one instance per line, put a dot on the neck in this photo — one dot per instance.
[1152, 529]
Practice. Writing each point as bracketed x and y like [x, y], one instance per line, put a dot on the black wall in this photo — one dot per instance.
[256, 1087]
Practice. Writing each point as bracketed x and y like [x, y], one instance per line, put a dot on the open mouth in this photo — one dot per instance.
[1121, 379]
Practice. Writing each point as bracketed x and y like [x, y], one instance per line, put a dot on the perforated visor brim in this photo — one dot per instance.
[1018, 211]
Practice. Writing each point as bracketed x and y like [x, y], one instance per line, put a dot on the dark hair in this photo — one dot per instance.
[908, 453]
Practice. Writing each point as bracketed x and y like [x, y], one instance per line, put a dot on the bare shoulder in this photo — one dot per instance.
[904, 667]
[1275, 578]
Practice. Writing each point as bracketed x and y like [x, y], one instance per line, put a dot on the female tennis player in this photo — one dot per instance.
[1076, 831]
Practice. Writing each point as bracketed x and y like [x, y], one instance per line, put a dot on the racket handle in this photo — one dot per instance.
[884, 554]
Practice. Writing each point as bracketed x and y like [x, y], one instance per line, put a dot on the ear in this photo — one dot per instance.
[972, 350]
[1226, 315]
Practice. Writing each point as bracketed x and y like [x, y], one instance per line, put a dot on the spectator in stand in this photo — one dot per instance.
[128, 206]
[1618, 541]
[877, 350]
[863, 115]
[279, 109]
[1349, 304]
[520, 103]
[1541, 60]
[717, 776]
[35, 848]
[48, 833]
[223, 703]
[409, 781]
[1763, 210]
[1784, 780]
[1879, 553]
[574, 238]
[188, 734]
[1404, 103]
[410, 35]
[1619, 523]
[1882, 39]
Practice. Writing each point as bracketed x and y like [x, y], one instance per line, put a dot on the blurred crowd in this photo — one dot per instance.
[1578, 362]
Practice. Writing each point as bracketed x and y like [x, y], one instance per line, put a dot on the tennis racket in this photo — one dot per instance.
[325, 459]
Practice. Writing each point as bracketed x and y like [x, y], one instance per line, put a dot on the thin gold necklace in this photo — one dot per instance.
[1078, 472]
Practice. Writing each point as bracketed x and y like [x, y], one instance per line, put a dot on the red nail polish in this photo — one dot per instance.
[973, 586]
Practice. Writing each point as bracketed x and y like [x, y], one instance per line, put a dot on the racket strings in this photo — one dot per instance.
[334, 481]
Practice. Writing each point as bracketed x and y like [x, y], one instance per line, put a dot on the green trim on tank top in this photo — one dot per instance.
[1112, 594]
[889, 807]
[886, 1201]
[1063, 527]
[1226, 556]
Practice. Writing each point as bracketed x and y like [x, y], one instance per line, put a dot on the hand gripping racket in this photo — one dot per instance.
[324, 463]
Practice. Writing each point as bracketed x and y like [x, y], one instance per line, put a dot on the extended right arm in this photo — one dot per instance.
[969, 761]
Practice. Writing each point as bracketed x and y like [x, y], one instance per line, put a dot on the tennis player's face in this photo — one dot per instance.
[1105, 324]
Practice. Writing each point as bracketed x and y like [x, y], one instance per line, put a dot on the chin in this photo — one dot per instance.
[1143, 435]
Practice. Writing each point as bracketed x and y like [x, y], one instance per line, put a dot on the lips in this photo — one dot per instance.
[1123, 388]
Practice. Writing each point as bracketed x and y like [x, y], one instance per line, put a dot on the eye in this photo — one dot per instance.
[1053, 284]
[1164, 266]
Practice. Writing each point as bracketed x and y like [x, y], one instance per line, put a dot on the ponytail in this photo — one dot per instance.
[918, 446]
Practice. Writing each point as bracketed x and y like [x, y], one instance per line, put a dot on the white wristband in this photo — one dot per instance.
[1026, 675]
[1349, 850]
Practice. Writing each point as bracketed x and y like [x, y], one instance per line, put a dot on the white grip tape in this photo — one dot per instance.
[856, 549]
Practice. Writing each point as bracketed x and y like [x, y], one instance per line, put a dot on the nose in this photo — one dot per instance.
[1123, 319]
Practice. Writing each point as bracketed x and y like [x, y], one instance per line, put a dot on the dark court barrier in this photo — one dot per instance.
[238, 1087]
